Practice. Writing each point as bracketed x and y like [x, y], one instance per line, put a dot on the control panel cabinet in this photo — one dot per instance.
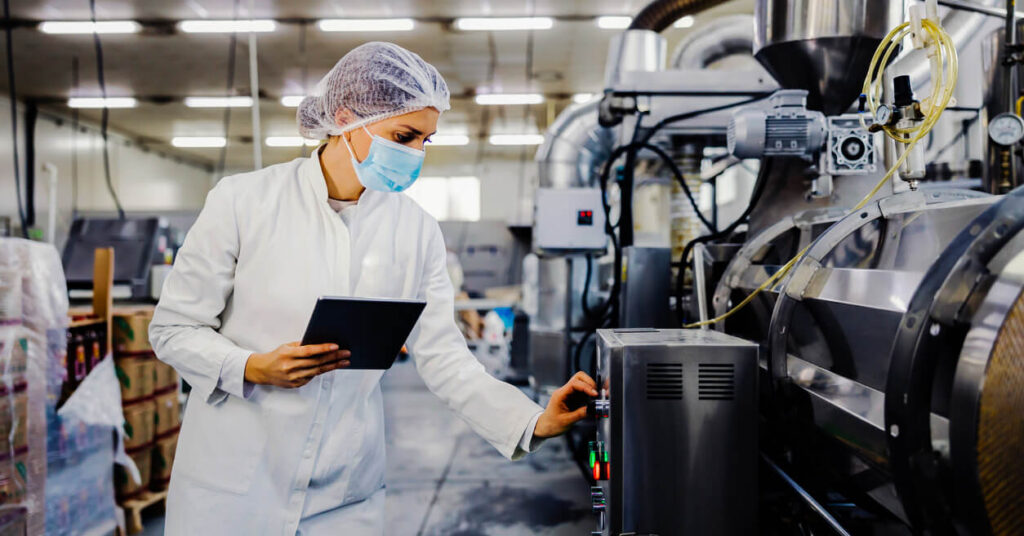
[676, 446]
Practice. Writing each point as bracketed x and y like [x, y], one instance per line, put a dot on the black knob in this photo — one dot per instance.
[903, 94]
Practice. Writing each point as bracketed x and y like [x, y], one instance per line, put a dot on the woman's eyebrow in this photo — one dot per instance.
[414, 130]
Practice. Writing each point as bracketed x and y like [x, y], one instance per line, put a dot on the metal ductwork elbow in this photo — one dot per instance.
[574, 149]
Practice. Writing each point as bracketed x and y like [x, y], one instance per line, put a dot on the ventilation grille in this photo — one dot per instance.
[664, 381]
[716, 381]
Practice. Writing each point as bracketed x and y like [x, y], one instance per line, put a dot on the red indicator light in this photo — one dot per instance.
[597, 471]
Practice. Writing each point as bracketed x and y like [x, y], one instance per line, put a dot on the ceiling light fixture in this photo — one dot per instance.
[198, 141]
[290, 141]
[218, 102]
[489, 99]
[449, 139]
[88, 27]
[292, 101]
[614, 22]
[504, 23]
[516, 139]
[227, 26]
[99, 102]
[580, 98]
[366, 25]
[684, 22]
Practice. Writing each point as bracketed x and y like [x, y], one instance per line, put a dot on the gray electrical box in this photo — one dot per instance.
[568, 220]
[677, 433]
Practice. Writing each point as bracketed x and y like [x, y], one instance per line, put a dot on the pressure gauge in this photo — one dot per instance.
[1006, 129]
[883, 114]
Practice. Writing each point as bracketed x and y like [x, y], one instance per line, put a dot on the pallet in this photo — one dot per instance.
[133, 508]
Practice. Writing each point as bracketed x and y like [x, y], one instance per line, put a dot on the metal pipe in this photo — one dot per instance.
[574, 149]
[699, 283]
[807, 498]
[51, 216]
[715, 40]
[254, 90]
[975, 8]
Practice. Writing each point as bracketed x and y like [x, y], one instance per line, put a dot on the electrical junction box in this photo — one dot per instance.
[568, 220]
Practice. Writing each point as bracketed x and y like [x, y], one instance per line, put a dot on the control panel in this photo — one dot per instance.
[676, 444]
[568, 220]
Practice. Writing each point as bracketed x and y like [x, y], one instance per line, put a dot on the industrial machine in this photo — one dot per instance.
[878, 267]
[676, 446]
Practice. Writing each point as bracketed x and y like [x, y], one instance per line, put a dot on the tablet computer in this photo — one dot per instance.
[374, 330]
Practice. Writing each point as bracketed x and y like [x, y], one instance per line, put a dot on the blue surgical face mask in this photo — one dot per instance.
[388, 166]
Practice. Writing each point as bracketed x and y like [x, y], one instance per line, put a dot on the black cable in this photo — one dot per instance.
[74, 143]
[682, 182]
[105, 115]
[755, 197]
[233, 44]
[14, 119]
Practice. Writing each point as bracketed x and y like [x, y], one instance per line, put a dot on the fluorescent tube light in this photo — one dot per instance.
[684, 22]
[516, 139]
[218, 102]
[290, 141]
[227, 26]
[449, 139]
[509, 98]
[366, 25]
[292, 101]
[198, 141]
[504, 23]
[99, 102]
[88, 27]
[614, 22]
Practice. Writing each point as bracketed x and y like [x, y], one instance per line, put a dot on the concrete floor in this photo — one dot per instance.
[442, 479]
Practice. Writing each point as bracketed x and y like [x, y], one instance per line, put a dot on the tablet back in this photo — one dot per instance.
[374, 330]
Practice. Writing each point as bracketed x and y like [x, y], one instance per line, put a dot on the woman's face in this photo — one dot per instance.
[412, 130]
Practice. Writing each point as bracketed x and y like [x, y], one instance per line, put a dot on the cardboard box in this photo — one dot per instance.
[139, 424]
[168, 412]
[123, 483]
[163, 461]
[131, 331]
[166, 377]
[136, 375]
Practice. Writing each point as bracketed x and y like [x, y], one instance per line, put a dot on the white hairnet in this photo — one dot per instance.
[374, 81]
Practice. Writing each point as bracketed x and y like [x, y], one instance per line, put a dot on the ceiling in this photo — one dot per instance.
[161, 66]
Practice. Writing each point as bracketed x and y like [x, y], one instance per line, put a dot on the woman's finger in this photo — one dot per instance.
[313, 349]
[580, 385]
[584, 377]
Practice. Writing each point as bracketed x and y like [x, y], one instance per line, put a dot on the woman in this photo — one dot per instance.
[276, 439]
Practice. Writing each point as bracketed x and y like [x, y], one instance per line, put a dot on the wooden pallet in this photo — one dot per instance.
[133, 508]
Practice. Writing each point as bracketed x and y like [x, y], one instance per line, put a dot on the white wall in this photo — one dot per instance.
[506, 184]
[146, 181]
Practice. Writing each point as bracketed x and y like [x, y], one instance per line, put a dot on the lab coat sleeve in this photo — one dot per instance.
[184, 327]
[497, 411]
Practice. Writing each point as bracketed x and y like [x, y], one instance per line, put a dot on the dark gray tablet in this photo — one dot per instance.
[374, 330]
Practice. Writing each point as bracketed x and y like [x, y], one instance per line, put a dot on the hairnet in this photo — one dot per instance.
[373, 81]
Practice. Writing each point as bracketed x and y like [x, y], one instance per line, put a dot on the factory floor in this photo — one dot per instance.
[442, 479]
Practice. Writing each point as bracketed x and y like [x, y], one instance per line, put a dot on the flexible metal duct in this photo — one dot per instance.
[722, 37]
[660, 14]
[574, 149]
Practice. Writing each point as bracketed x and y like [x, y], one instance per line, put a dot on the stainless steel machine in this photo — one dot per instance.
[676, 447]
[891, 382]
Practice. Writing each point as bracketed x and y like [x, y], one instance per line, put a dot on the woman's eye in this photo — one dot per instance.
[403, 138]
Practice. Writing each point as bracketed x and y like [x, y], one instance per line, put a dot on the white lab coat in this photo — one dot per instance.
[255, 459]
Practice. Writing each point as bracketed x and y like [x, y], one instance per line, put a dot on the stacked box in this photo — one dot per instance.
[163, 460]
[125, 486]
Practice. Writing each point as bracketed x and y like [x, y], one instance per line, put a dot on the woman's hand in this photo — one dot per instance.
[293, 365]
[559, 415]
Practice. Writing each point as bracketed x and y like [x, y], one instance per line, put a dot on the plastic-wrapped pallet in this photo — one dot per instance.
[50, 468]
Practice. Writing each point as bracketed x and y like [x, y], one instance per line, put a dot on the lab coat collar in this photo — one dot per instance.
[311, 172]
